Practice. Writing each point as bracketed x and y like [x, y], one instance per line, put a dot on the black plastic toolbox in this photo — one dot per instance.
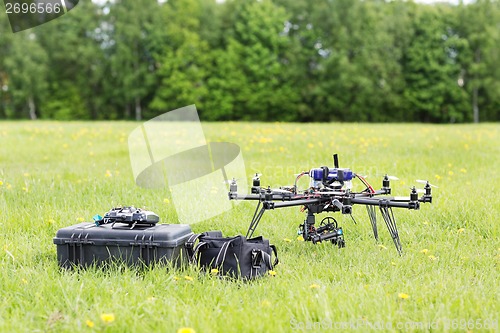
[87, 244]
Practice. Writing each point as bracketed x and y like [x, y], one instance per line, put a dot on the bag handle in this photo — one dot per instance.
[223, 250]
[260, 255]
[192, 250]
[189, 245]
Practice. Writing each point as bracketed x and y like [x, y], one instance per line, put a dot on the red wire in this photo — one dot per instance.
[372, 191]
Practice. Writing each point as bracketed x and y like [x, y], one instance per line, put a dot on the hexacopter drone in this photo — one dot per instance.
[330, 191]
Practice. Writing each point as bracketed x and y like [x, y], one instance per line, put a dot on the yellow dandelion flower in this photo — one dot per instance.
[108, 174]
[287, 240]
[314, 286]
[300, 238]
[1, 183]
[265, 303]
[25, 189]
[438, 177]
[8, 186]
[214, 271]
[382, 247]
[403, 296]
[393, 263]
[450, 173]
[26, 174]
[424, 251]
[282, 149]
[166, 201]
[176, 278]
[272, 273]
[466, 146]
[460, 230]
[186, 330]
[463, 170]
[432, 258]
[89, 323]
[24, 281]
[108, 318]
[80, 219]
[188, 278]
[310, 145]
[65, 145]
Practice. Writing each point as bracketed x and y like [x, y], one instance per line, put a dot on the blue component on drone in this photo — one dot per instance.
[316, 174]
[344, 174]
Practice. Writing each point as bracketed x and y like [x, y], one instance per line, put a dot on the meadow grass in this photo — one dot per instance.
[56, 174]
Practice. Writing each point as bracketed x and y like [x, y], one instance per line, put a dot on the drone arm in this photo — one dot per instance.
[386, 202]
[236, 196]
[294, 203]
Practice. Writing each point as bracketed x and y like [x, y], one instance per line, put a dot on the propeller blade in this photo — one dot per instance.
[229, 181]
[418, 190]
[279, 190]
[393, 178]
[421, 181]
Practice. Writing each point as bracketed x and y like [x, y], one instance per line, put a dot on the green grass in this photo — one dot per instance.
[55, 174]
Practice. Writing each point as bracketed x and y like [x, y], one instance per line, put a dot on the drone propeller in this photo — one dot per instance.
[229, 181]
[389, 177]
[361, 175]
[280, 190]
[426, 182]
[419, 190]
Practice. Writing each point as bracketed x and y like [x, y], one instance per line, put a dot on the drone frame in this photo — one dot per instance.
[332, 198]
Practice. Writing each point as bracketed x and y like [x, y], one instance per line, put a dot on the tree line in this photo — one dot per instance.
[265, 60]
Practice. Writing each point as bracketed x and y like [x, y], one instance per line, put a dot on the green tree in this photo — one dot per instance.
[75, 45]
[182, 59]
[253, 71]
[25, 75]
[307, 29]
[131, 56]
[432, 72]
[5, 44]
[478, 24]
[360, 67]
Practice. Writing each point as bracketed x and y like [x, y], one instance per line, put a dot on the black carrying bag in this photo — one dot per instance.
[232, 256]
